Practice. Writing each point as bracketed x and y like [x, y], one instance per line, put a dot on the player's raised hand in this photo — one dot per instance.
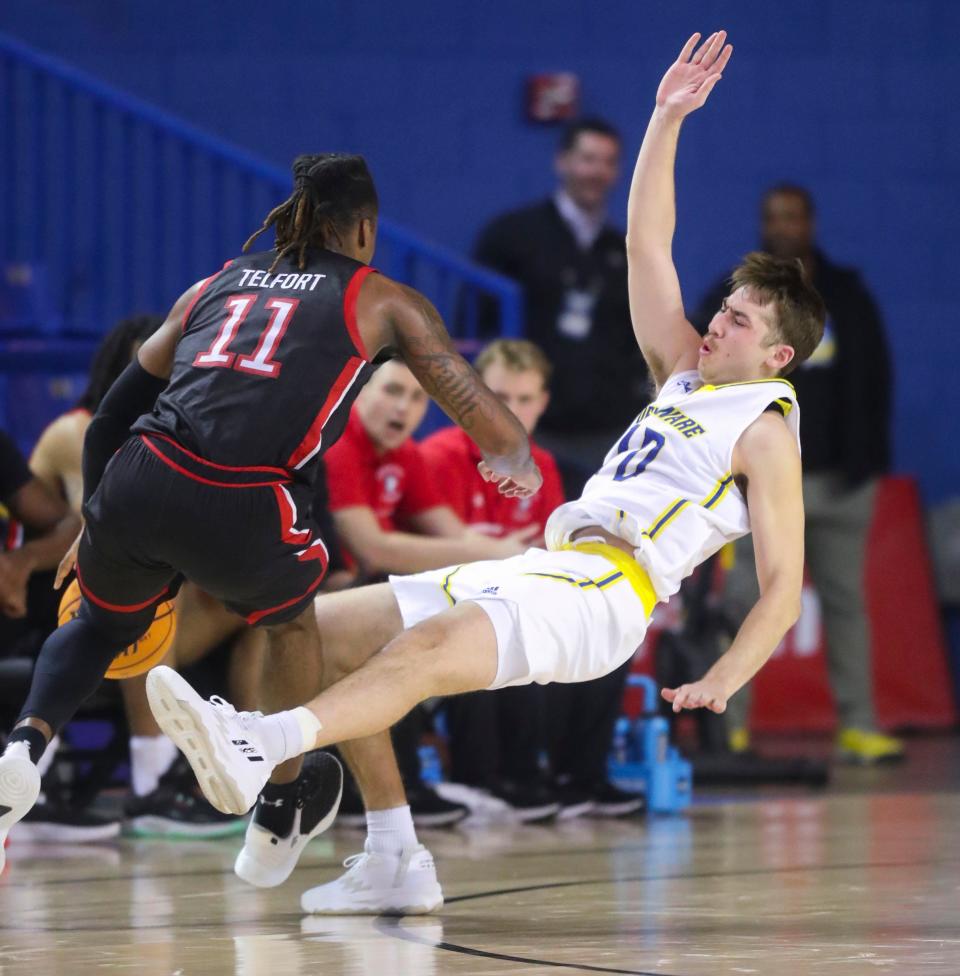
[700, 694]
[690, 79]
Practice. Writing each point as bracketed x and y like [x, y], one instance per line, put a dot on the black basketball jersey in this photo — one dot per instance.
[268, 365]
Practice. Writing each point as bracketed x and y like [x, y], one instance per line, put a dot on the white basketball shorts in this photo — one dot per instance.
[569, 615]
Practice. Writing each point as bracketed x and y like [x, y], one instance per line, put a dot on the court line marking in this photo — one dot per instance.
[701, 876]
[697, 876]
[279, 919]
[390, 926]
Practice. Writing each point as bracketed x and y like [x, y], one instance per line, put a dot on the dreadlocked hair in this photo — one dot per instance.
[114, 354]
[331, 192]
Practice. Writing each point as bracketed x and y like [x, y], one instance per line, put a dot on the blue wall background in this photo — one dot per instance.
[858, 99]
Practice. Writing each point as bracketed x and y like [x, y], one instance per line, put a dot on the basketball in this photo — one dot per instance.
[139, 657]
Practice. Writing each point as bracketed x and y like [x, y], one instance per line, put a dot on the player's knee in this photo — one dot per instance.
[418, 657]
[115, 630]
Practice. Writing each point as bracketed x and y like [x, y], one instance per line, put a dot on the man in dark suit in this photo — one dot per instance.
[572, 265]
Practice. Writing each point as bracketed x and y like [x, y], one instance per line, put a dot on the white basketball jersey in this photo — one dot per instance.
[666, 486]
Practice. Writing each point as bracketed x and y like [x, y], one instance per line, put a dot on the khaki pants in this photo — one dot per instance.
[837, 522]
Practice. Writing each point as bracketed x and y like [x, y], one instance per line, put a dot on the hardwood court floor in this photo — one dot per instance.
[861, 878]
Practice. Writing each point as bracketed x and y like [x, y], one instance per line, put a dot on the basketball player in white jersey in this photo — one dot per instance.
[714, 456]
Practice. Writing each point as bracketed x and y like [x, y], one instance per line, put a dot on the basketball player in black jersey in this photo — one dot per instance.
[200, 459]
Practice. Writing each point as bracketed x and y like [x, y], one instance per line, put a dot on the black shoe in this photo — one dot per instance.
[176, 808]
[429, 809]
[56, 822]
[174, 813]
[609, 801]
[286, 818]
[574, 802]
[528, 802]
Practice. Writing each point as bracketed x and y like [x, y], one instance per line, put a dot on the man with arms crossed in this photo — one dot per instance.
[721, 434]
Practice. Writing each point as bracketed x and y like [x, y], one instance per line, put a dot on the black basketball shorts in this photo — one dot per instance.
[161, 514]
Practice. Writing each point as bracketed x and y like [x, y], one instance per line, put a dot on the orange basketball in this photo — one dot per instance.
[147, 651]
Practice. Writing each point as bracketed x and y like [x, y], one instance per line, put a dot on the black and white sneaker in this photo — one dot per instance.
[574, 802]
[286, 818]
[429, 809]
[47, 821]
[176, 809]
[530, 802]
[609, 801]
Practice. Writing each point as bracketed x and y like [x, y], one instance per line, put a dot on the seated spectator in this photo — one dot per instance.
[38, 528]
[387, 510]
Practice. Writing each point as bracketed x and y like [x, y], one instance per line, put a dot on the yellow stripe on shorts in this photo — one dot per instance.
[632, 571]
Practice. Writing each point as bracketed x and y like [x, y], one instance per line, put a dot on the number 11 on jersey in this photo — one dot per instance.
[261, 362]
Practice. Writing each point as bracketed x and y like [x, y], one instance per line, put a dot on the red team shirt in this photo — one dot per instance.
[453, 459]
[394, 485]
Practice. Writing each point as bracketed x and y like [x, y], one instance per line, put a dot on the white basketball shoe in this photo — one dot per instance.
[376, 884]
[19, 789]
[221, 744]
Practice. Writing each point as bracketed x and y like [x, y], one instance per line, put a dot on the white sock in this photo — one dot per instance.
[288, 734]
[391, 831]
[49, 754]
[21, 748]
[150, 757]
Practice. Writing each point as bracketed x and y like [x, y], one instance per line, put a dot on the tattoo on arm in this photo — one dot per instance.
[441, 370]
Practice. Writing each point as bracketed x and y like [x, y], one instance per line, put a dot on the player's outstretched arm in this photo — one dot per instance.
[398, 316]
[768, 456]
[667, 340]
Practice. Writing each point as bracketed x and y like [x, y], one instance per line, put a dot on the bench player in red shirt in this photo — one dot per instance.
[519, 373]
[387, 506]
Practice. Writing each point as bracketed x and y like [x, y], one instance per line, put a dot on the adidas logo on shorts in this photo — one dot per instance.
[492, 590]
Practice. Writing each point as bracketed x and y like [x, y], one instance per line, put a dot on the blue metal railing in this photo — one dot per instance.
[123, 206]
